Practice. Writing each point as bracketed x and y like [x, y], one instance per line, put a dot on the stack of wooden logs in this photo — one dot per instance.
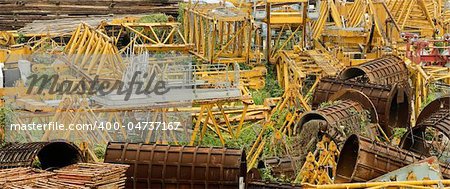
[77, 176]
[15, 14]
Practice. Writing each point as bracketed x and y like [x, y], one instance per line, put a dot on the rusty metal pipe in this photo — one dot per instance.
[344, 114]
[54, 154]
[392, 111]
[435, 115]
[361, 160]
[387, 70]
[166, 166]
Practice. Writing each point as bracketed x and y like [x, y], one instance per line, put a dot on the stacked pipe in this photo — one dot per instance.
[383, 80]
[168, 166]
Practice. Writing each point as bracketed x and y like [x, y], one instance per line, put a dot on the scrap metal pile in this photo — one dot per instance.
[259, 94]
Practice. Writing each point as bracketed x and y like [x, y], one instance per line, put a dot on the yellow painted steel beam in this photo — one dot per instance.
[287, 1]
[378, 184]
[286, 18]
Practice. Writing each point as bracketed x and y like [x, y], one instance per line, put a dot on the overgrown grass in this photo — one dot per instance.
[245, 140]
[259, 96]
[431, 96]
[270, 90]
[6, 117]
[100, 150]
[152, 18]
[399, 132]
[248, 135]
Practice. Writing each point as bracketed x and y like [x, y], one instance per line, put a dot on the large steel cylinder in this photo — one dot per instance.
[50, 154]
[391, 103]
[435, 115]
[387, 70]
[341, 119]
[362, 159]
[166, 166]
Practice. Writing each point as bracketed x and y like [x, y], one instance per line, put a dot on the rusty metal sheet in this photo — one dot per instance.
[427, 169]
[50, 154]
[362, 159]
[171, 166]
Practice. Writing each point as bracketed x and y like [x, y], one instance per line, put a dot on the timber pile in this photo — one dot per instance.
[93, 175]
[21, 176]
[61, 26]
[77, 176]
[15, 14]
[43, 183]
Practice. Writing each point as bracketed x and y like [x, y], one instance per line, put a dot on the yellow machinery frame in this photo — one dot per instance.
[220, 34]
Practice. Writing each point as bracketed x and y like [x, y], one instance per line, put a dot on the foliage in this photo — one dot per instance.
[6, 117]
[431, 95]
[399, 132]
[152, 18]
[243, 66]
[21, 39]
[181, 7]
[259, 96]
[245, 140]
[266, 175]
[100, 150]
[279, 116]
[36, 163]
[327, 104]
[272, 85]
[211, 139]
[271, 89]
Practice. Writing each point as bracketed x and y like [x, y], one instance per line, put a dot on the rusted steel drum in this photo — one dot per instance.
[169, 166]
[282, 167]
[435, 115]
[387, 70]
[342, 119]
[362, 159]
[50, 154]
[392, 104]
